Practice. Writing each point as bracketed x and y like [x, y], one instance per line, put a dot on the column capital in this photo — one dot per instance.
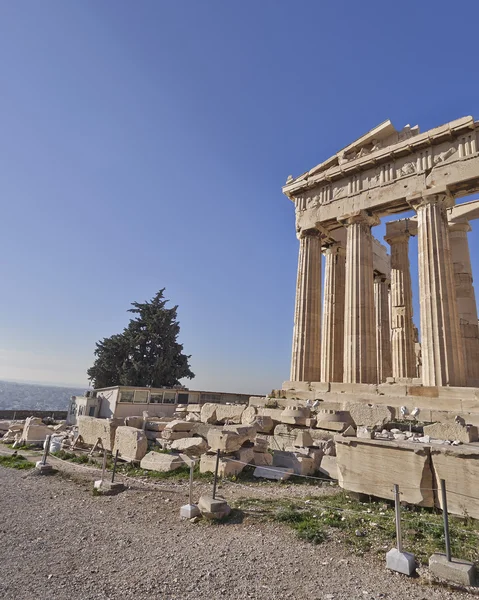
[334, 248]
[460, 225]
[440, 196]
[381, 278]
[359, 216]
[400, 231]
[311, 233]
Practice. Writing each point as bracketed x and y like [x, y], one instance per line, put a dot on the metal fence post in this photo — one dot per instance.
[446, 520]
[216, 473]
[103, 466]
[46, 450]
[114, 466]
[397, 510]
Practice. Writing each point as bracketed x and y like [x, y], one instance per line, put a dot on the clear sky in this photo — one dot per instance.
[144, 145]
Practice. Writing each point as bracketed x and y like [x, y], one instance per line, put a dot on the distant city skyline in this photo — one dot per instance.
[145, 147]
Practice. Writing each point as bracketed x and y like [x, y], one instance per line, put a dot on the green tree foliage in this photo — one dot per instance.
[147, 353]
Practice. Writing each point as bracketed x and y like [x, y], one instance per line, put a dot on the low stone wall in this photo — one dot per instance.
[58, 415]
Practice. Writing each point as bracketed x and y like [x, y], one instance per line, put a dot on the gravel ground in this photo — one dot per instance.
[58, 541]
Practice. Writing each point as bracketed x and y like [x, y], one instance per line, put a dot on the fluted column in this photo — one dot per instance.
[441, 344]
[332, 341]
[383, 329]
[305, 361]
[466, 298]
[359, 322]
[402, 327]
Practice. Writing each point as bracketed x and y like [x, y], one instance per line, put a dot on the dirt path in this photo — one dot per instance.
[59, 541]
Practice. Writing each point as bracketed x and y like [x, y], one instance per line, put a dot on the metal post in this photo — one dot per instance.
[46, 450]
[104, 466]
[216, 473]
[446, 520]
[114, 466]
[192, 466]
[397, 510]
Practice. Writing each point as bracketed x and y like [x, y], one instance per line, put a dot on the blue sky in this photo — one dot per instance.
[144, 145]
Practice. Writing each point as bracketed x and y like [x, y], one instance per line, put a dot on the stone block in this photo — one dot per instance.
[370, 415]
[298, 386]
[229, 413]
[202, 429]
[91, 429]
[188, 511]
[301, 465]
[395, 389]
[193, 446]
[5, 426]
[227, 467]
[276, 473]
[208, 413]
[452, 431]
[131, 443]
[34, 432]
[262, 459]
[178, 425]
[373, 467]
[364, 433]
[134, 421]
[336, 426]
[459, 467]
[329, 466]
[245, 454]
[353, 388]
[213, 508]
[249, 415]
[303, 439]
[456, 571]
[155, 425]
[260, 444]
[317, 455]
[225, 441]
[273, 413]
[295, 415]
[158, 461]
[247, 431]
[401, 562]
[171, 436]
[263, 423]
[321, 387]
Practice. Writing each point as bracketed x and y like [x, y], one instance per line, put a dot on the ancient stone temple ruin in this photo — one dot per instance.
[361, 331]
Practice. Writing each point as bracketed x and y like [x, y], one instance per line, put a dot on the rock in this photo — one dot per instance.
[249, 431]
[399, 436]
[193, 418]
[227, 467]
[155, 425]
[170, 436]
[213, 508]
[349, 432]
[131, 443]
[249, 415]
[276, 473]
[317, 456]
[295, 415]
[451, 430]
[34, 432]
[5, 426]
[157, 461]
[91, 429]
[134, 421]
[301, 465]
[245, 454]
[208, 413]
[373, 467]
[364, 433]
[229, 413]
[194, 446]
[262, 459]
[303, 439]
[425, 439]
[178, 425]
[225, 441]
[371, 415]
[329, 466]
[459, 467]
[260, 445]
[263, 424]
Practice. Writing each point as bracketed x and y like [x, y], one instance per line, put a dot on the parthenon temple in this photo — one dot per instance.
[354, 325]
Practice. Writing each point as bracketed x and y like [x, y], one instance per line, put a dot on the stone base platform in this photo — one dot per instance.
[455, 571]
[434, 403]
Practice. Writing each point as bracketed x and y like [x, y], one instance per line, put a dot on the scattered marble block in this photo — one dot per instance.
[457, 571]
[188, 511]
[43, 468]
[213, 508]
[401, 562]
[277, 473]
[107, 487]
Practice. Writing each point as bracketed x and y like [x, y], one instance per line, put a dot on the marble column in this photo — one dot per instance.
[466, 298]
[359, 322]
[383, 329]
[332, 341]
[305, 361]
[402, 327]
[441, 344]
